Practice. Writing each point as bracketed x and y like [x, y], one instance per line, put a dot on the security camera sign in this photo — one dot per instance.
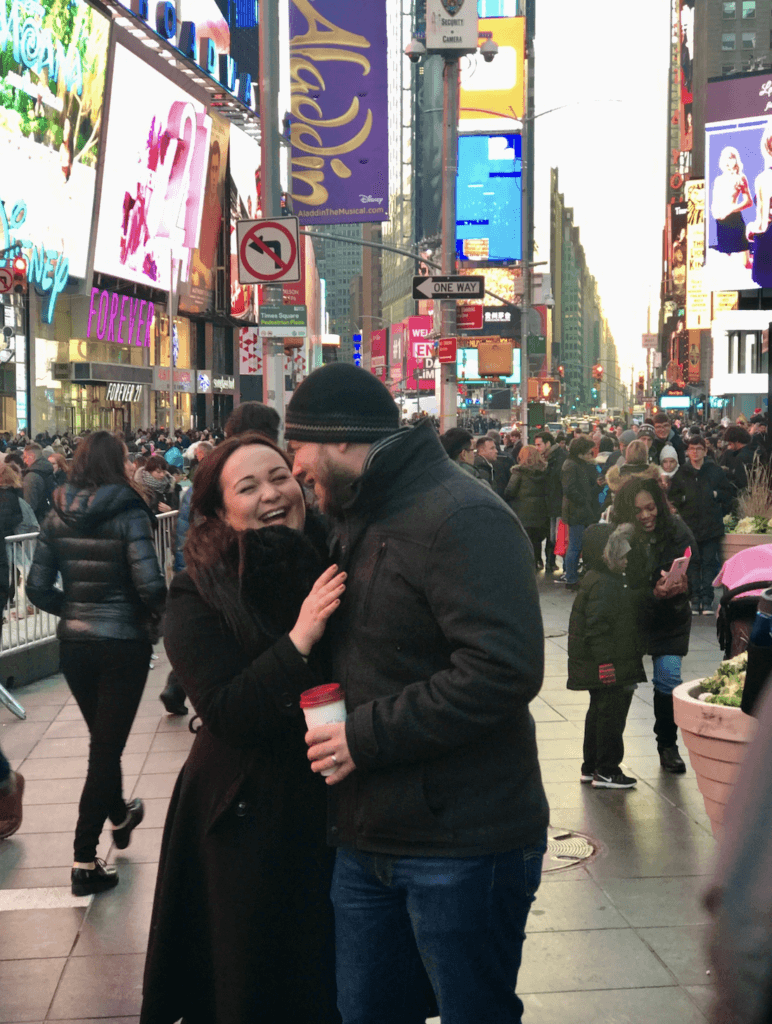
[451, 25]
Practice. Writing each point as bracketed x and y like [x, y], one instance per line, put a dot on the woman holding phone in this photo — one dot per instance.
[659, 539]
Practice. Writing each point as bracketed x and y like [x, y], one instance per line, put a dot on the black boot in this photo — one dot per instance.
[173, 696]
[90, 881]
[666, 732]
[135, 812]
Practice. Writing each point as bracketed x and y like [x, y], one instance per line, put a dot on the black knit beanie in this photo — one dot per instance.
[341, 402]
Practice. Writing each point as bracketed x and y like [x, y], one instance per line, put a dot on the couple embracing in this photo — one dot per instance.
[399, 885]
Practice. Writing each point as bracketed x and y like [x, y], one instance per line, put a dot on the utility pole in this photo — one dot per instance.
[448, 388]
[526, 189]
[273, 295]
[172, 310]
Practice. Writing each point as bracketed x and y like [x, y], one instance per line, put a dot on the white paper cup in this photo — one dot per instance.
[323, 705]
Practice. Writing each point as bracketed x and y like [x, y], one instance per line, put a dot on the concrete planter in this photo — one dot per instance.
[736, 542]
[716, 738]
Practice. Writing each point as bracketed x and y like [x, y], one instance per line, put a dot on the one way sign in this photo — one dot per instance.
[448, 286]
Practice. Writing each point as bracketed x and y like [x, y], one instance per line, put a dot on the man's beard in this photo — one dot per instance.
[336, 484]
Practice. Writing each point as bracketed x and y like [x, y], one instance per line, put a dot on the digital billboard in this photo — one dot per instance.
[340, 116]
[494, 91]
[697, 295]
[52, 76]
[467, 368]
[245, 199]
[488, 197]
[155, 173]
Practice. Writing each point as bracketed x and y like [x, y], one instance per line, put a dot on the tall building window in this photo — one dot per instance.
[749, 8]
[728, 41]
[730, 10]
[749, 40]
[728, 69]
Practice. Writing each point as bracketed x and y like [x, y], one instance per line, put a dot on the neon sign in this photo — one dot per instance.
[111, 307]
[35, 46]
[48, 269]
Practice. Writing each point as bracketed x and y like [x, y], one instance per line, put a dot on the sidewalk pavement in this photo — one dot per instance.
[617, 939]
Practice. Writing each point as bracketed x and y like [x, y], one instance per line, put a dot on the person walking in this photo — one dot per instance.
[605, 652]
[156, 484]
[658, 539]
[738, 455]
[555, 455]
[458, 443]
[242, 926]
[437, 808]
[526, 495]
[38, 481]
[702, 495]
[99, 537]
[664, 435]
[580, 505]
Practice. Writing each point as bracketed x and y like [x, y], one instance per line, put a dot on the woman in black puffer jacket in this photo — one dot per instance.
[99, 536]
[526, 495]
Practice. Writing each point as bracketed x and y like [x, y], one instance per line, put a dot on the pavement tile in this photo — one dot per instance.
[53, 791]
[145, 847]
[70, 746]
[27, 988]
[13, 876]
[155, 813]
[652, 902]
[702, 995]
[544, 713]
[160, 785]
[33, 934]
[109, 929]
[172, 741]
[613, 958]
[59, 730]
[551, 750]
[682, 951]
[49, 818]
[573, 905]
[164, 762]
[99, 986]
[627, 1006]
[557, 731]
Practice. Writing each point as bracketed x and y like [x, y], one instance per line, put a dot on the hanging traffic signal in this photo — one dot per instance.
[597, 372]
[19, 275]
[561, 372]
[549, 391]
[640, 382]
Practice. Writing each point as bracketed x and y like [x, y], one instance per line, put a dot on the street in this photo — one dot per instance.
[617, 938]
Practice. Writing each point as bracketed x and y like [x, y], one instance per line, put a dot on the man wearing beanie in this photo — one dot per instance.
[665, 435]
[437, 806]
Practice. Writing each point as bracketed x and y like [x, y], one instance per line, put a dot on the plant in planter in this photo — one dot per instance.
[752, 523]
[715, 732]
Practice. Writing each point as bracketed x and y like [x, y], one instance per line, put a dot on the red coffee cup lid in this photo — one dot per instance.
[320, 695]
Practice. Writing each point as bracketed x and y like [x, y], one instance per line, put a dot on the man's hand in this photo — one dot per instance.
[324, 741]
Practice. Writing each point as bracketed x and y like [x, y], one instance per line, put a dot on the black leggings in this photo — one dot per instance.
[107, 678]
[536, 536]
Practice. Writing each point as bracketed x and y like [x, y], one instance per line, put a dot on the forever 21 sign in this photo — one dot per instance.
[124, 392]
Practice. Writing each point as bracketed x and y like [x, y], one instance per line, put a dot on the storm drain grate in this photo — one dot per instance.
[566, 848]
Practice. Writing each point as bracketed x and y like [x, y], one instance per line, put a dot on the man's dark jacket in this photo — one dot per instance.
[691, 495]
[738, 465]
[674, 441]
[38, 486]
[580, 493]
[438, 646]
[555, 459]
[485, 469]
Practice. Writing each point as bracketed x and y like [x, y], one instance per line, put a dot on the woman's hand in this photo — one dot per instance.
[663, 589]
[163, 507]
[322, 743]
[316, 609]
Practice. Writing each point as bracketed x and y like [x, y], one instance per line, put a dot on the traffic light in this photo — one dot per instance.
[549, 391]
[19, 275]
[597, 372]
[640, 382]
[561, 372]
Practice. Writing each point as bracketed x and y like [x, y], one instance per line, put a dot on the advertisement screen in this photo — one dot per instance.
[244, 205]
[52, 78]
[697, 295]
[200, 297]
[155, 172]
[488, 205]
[738, 160]
[677, 261]
[467, 368]
[494, 91]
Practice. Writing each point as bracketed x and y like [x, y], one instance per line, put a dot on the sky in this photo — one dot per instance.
[611, 156]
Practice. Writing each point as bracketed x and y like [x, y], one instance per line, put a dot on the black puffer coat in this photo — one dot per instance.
[102, 543]
[526, 495]
[702, 498]
[580, 493]
[666, 623]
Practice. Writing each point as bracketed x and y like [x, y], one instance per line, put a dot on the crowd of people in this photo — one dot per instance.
[395, 853]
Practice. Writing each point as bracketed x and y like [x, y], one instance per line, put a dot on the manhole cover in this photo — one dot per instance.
[566, 848]
[551, 634]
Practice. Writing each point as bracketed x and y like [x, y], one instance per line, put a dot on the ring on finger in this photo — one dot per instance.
[334, 758]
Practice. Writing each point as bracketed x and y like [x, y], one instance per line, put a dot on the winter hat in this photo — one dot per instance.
[627, 436]
[341, 402]
[668, 452]
[646, 430]
[606, 445]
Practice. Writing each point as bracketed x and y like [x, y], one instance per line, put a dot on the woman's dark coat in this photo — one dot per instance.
[580, 493]
[526, 495]
[667, 623]
[556, 456]
[10, 511]
[242, 929]
[604, 627]
[102, 543]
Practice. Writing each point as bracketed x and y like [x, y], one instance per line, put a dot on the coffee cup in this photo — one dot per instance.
[323, 705]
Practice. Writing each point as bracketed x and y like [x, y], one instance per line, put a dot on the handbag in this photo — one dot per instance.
[561, 539]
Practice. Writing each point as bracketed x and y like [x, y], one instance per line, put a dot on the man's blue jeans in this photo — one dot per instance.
[571, 561]
[459, 921]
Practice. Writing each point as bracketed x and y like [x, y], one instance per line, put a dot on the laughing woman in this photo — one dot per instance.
[242, 928]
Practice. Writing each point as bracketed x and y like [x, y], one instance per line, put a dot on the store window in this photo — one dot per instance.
[741, 350]
[728, 41]
[730, 10]
[749, 9]
[731, 345]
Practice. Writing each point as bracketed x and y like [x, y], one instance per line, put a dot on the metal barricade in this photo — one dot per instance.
[25, 626]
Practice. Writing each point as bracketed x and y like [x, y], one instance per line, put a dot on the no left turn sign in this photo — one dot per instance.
[6, 281]
[268, 250]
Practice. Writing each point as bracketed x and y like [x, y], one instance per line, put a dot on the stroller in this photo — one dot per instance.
[744, 578]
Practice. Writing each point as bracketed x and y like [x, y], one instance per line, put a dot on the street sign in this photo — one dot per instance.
[6, 281]
[469, 317]
[448, 286]
[268, 250]
[447, 349]
[650, 340]
[283, 322]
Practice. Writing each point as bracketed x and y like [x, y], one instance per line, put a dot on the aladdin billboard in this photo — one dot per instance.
[738, 163]
[339, 117]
